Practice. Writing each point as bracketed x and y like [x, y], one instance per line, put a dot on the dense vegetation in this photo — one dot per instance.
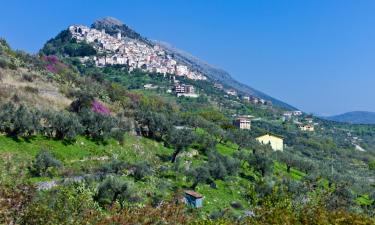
[118, 154]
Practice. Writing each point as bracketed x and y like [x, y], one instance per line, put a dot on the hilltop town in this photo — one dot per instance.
[133, 53]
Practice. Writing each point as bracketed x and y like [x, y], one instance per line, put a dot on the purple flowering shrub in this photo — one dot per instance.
[98, 107]
[53, 64]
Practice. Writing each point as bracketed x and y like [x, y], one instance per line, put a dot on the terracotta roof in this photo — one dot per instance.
[194, 194]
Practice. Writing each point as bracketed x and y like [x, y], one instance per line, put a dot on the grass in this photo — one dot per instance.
[28, 148]
[294, 173]
[223, 195]
[134, 148]
[364, 200]
[226, 149]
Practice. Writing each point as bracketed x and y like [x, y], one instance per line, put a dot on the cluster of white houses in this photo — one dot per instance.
[255, 100]
[184, 90]
[246, 98]
[133, 53]
[288, 115]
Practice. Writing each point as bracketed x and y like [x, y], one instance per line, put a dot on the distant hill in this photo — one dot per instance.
[356, 117]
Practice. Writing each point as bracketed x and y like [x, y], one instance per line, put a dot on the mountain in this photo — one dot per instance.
[217, 74]
[196, 67]
[113, 26]
[356, 117]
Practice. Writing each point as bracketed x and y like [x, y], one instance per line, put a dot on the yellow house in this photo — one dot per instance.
[276, 142]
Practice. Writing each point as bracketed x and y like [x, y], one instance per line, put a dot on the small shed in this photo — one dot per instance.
[193, 199]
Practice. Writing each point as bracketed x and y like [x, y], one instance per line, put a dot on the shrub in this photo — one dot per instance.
[19, 121]
[65, 205]
[371, 165]
[141, 170]
[115, 167]
[83, 102]
[112, 190]
[44, 161]
[97, 126]
[62, 125]
[31, 90]
[4, 63]
[28, 77]
[200, 174]
[261, 163]
[98, 107]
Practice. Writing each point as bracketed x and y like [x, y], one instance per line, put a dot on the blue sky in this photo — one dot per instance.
[318, 55]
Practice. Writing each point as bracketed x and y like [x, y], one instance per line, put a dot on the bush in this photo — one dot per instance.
[62, 125]
[141, 170]
[83, 102]
[28, 77]
[43, 163]
[19, 121]
[4, 63]
[97, 126]
[112, 190]
[65, 205]
[261, 163]
[114, 167]
[371, 165]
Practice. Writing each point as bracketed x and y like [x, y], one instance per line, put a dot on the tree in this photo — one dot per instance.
[200, 174]
[44, 160]
[221, 166]
[261, 163]
[114, 189]
[180, 139]
[7, 112]
[157, 125]
[242, 138]
[63, 125]
[289, 160]
[206, 142]
[97, 126]
[340, 198]
[214, 116]
[19, 121]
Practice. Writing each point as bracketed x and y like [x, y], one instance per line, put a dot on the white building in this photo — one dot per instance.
[276, 142]
[243, 122]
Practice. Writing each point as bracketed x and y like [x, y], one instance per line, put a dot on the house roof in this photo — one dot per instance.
[193, 193]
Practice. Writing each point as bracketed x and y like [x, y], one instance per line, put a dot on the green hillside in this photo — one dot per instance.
[82, 144]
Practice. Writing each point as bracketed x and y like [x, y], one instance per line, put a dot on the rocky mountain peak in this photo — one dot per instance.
[113, 26]
[108, 21]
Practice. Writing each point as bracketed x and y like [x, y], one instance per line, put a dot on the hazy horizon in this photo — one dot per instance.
[315, 55]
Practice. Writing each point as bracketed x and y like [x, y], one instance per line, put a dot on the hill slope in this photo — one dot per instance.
[217, 74]
[113, 26]
[356, 117]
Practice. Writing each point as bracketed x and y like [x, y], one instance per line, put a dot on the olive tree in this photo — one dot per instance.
[180, 139]
[44, 160]
[114, 189]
